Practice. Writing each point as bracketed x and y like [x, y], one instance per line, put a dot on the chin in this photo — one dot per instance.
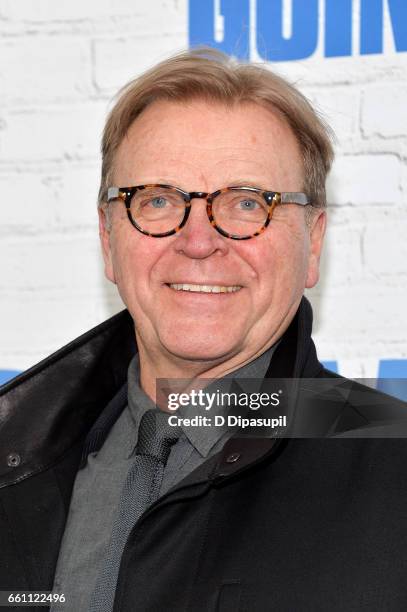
[200, 346]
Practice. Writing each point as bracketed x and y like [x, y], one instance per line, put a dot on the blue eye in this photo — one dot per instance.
[248, 204]
[158, 202]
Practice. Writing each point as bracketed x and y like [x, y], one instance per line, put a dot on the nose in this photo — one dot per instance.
[198, 239]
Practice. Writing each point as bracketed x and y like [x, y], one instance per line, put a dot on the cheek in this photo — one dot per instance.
[121, 257]
[134, 256]
[281, 262]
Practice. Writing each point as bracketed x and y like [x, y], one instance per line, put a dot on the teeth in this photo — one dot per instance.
[205, 288]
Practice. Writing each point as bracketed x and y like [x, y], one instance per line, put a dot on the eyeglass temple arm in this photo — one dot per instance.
[295, 197]
[112, 193]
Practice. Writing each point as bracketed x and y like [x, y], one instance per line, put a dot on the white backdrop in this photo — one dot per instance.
[60, 65]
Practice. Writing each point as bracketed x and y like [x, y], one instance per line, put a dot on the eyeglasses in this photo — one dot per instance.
[239, 213]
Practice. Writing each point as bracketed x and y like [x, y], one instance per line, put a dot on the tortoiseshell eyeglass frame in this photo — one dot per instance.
[271, 198]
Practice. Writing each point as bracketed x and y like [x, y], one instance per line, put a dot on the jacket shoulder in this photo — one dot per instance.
[50, 407]
[371, 412]
[86, 342]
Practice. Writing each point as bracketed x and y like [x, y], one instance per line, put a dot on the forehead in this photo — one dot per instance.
[210, 144]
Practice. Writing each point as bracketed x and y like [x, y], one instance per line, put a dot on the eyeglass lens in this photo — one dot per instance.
[159, 210]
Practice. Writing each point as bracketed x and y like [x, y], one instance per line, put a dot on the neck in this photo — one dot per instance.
[154, 366]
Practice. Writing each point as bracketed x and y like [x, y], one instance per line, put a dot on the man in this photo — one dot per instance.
[212, 219]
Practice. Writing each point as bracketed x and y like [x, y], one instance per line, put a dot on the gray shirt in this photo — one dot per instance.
[98, 485]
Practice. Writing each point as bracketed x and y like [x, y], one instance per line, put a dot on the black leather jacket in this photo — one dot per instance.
[292, 525]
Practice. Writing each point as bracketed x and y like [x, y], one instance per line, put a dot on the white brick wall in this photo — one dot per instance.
[60, 64]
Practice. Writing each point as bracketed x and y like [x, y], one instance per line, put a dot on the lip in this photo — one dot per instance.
[192, 293]
[217, 283]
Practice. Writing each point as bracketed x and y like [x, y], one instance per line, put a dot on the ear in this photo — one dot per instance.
[317, 233]
[104, 234]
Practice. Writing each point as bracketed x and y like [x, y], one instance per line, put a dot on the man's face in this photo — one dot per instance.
[202, 147]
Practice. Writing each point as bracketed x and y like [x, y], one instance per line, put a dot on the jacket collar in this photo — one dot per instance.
[295, 357]
[68, 391]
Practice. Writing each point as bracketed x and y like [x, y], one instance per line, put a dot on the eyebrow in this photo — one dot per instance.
[237, 183]
[247, 183]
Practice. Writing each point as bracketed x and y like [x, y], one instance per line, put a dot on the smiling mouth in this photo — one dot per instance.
[205, 288]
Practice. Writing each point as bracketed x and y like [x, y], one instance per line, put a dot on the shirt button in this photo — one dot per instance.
[233, 458]
[13, 460]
